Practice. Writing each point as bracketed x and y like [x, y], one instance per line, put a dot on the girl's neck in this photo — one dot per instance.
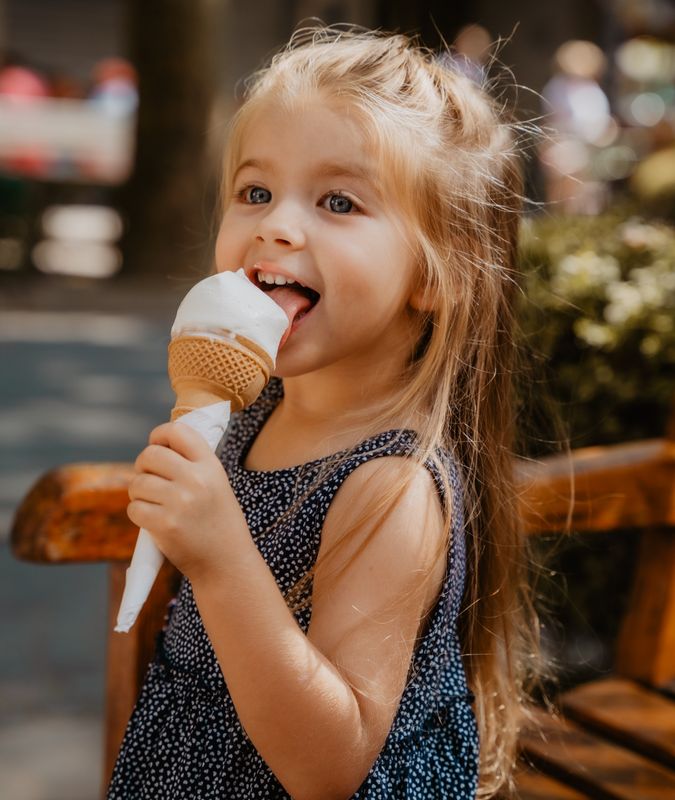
[351, 392]
[325, 412]
[338, 397]
[312, 422]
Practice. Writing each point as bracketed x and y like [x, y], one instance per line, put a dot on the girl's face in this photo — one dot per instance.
[307, 204]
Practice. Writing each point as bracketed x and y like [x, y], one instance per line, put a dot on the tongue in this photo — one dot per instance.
[292, 302]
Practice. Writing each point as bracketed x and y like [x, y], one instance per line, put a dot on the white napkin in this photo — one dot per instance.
[211, 421]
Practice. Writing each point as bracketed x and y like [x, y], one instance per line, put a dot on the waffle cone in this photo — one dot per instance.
[203, 371]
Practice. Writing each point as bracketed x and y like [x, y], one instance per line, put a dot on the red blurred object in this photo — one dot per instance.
[22, 84]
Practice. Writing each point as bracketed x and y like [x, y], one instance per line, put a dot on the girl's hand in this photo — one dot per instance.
[182, 496]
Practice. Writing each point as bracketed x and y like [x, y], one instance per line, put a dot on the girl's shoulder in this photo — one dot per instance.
[392, 460]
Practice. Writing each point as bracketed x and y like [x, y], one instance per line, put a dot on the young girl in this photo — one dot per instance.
[353, 619]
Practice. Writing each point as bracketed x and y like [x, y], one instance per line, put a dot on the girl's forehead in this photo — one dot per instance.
[308, 129]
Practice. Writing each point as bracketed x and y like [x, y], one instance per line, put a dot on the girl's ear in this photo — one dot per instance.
[422, 299]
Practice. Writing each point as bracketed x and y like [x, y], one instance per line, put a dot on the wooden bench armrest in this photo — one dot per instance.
[78, 512]
[600, 488]
[621, 486]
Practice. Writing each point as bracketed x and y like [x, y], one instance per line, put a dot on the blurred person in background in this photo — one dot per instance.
[471, 51]
[577, 110]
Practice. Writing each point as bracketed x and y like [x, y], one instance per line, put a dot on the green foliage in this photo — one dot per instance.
[599, 309]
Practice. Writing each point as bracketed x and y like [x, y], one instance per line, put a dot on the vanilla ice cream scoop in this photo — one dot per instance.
[224, 344]
[230, 302]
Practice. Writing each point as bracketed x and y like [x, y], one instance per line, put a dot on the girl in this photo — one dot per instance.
[353, 618]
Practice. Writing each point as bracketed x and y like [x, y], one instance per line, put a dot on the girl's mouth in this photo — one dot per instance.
[297, 302]
[296, 322]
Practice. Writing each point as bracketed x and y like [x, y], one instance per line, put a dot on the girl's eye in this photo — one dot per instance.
[255, 194]
[339, 203]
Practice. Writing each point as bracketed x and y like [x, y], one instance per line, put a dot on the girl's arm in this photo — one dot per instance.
[292, 692]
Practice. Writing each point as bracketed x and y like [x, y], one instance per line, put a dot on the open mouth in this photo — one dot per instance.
[312, 295]
[296, 300]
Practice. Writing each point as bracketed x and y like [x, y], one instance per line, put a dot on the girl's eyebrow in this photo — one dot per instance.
[252, 162]
[324, 169]
[335, 169]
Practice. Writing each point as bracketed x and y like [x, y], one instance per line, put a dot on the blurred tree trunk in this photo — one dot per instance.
[166, 200]
[3, 31]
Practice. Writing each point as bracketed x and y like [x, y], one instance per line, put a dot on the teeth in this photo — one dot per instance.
[278, 280]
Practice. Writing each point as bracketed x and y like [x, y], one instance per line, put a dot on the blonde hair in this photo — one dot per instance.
[461, 193]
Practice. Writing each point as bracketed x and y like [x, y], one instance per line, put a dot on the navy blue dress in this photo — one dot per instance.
[184, 740]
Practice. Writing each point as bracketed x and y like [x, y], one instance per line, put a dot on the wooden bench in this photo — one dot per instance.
[617, 736]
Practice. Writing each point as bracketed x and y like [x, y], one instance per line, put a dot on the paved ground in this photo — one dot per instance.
[82, 378]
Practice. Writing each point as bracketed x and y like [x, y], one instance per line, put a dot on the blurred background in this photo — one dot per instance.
[112, 118]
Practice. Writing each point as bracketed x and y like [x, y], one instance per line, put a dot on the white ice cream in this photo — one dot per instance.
[229, 301]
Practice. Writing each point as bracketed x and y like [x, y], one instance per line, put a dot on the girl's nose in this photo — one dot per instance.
[281, 227]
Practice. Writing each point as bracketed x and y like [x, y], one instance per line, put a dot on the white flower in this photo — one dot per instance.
[640, 235]
[582, 273]
[625, 302]
[650, 285]
[594, 334]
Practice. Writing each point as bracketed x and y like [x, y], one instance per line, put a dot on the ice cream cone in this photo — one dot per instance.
[205, 370]
[213, 371]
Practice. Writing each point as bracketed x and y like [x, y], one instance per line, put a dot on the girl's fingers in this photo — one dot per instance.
[150, 488]
[145, 515]
[181, 439]
[161, 461]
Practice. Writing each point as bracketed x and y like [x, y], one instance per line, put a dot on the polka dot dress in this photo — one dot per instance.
[184, 740]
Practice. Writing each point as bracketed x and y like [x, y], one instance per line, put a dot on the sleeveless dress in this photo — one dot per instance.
[184, 740]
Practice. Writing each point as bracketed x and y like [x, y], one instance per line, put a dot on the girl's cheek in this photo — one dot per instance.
[221, 250]
[229, 251]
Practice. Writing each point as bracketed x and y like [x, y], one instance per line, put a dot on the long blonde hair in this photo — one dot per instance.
[447, 147]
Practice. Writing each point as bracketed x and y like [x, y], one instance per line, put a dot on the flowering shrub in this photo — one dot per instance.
[599, 308]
